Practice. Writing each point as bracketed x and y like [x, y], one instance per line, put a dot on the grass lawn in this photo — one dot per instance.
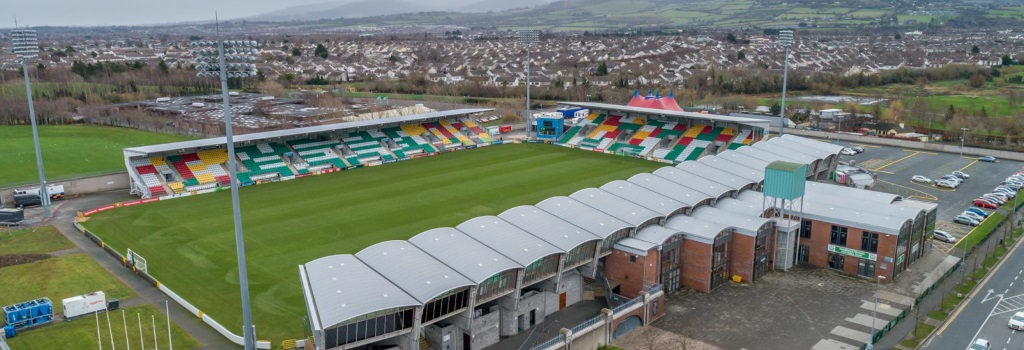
[81, 333]
[33, 241]
[69, 150]
[58, 278]
[189, 243]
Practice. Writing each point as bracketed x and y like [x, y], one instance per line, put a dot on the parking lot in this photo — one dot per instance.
[895, 166]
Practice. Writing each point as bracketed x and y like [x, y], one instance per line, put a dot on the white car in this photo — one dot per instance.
[848, 152]
[920, 179]
[1017, 321]
[961, 175]
[946, 184]
[943, 236]
[973, 215]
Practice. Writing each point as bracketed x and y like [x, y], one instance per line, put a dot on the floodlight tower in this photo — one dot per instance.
[786, 39]
[236, 61]
[27, 46]
[528, 38]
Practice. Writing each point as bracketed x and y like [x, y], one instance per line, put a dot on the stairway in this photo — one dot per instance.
[424, 345]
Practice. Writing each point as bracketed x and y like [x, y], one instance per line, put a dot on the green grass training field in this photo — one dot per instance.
[189, 243]
[69, 150]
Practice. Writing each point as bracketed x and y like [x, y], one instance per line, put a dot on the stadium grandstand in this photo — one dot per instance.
[699, 223]
[659, 132]
[198, 165]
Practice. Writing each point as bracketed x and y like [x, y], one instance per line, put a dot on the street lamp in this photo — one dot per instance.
[874, 314]
[231, 59]
[27, 46]
[786, 39]
[962, 138]
[528, 37]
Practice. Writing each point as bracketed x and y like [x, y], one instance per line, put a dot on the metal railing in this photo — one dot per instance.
[586, 324]
[627, 304]
[549, 343]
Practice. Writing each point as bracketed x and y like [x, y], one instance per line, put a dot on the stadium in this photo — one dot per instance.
[464, 238]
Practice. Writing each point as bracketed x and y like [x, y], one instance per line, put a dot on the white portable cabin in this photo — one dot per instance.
[84, 304]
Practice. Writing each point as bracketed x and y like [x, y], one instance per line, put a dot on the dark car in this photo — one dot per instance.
[987, 159]
[26, 200]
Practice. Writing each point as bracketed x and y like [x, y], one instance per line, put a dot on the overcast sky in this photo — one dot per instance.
[131, 12]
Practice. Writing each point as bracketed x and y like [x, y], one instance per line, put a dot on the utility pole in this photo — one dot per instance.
[786, 39]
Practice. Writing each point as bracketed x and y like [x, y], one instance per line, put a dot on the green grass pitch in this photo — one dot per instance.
[189, 243]
[69, 151]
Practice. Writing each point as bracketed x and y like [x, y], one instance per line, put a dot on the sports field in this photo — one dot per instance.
[189, 242]
[69, 150]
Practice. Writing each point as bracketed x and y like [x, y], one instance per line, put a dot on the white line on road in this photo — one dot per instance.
[983, 323]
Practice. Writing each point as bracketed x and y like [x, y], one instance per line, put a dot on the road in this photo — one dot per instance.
[988, 310]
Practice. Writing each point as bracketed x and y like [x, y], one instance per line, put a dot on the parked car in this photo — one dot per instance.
[920, 179]
[1017, 321]
[984, 204]
[1002, 197]
[973, 216]
[978, 211]
[943, 236]
[946, 184]
[1006, 191]
[848, 152]
[994, 198]
[857, 149]
[961, 174]
[980, 344]
[987, 159]
[966, 220]
[950, 178]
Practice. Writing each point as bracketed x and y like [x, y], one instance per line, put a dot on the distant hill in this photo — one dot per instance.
[371, 8]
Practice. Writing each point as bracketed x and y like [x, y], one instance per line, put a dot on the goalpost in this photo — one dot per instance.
[136, 260]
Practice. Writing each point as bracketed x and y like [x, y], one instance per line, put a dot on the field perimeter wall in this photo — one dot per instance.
[91, 184]
[926, 146]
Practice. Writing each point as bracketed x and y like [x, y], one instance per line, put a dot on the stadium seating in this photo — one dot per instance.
[263, 160]
[448, 136]
[693, 143]
[480, 135]
[365, 146]
[454, 130]
[409, 140]
[150, 176]
[744, 137]
[573, 136]
[316, 154]
[611, 130]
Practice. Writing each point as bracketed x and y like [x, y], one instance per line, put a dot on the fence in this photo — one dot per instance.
[557, 342]
[625, 306]
[599, 319]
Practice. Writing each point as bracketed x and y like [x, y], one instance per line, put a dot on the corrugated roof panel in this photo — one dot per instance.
[548, 227]
[610, 204]
[344, 287]
[582, 215]
[648, 199]
[417, 273]
[462, 253]
[507, 239]
[705, 186]
[669, 188]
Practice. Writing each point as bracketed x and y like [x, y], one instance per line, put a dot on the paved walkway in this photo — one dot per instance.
[147, 294]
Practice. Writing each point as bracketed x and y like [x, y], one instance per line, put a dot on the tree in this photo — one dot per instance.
[730, 38]
[975, 49]
[40, 66]
[602, 69]
[320, 51]
[977, 80]
[296, 52]
[741, 56]
[1007, 60]
[163, 67]
[775, 109]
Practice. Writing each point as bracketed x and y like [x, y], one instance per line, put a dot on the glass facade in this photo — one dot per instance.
[500, 284]
[369, 326]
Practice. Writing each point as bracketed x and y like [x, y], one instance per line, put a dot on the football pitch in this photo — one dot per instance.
[69, 151]
[189, 243]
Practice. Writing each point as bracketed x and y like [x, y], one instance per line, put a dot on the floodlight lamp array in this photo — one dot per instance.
[786, 37]
[26, 45]
[239, 58]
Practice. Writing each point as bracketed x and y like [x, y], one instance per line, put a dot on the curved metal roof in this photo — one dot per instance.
[731, 167]
[669, 113]
[613, 205]
[507, 239]
[705, 186]
[827, 147]
[656, 234]
[744, 224]
[417, 273]
[734, 182]
[816, 189]
[745, 160]
[462, 253]
[658, 203]
[785, 152]
[600, 224]
[343, 287]
[747, 203]
[765, 155]
[669, 188]
[635, 246]
[696, 229]
[548, 227]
